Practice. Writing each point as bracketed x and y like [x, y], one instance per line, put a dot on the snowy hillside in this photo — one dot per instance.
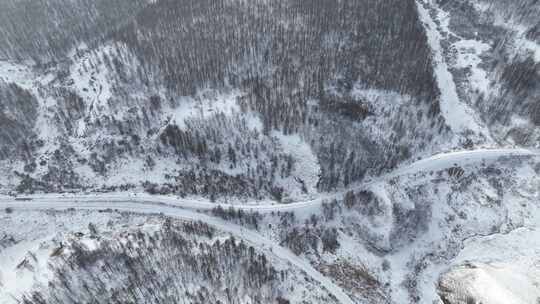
[65, 257]
[123, 109]
[404, 231]
[284, 151]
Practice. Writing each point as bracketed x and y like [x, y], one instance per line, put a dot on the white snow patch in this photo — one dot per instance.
[16, 73]
[530, 46]
[208, 103]
[468, 52]
[521, 44]
[306, 166]
[134, 171]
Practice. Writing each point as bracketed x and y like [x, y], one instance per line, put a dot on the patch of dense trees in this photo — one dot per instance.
[286, 44]
[239, 216]
[285, 52]
[228, 142]
[212, 184]
[522, 79]
[47, 30]
[18, 114]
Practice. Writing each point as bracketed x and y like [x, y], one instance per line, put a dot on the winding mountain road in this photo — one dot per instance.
[434, 163]
[253, 238]
[185, 209]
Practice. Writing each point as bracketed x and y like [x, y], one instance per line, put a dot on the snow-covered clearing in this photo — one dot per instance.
[306, 166]
[468, 57]
[15, 279]
[459, 116]
[468, 52]
[15, 73]
[523, 45]
[208, 103]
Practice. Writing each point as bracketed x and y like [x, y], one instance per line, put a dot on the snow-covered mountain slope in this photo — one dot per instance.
[125, 109]
[435, 163]
[397, 234]
[374, 151]
[118, 109]
[63, 257]
[404, 232]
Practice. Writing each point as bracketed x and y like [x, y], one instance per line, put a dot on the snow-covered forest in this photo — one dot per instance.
[283, 98]
[269, 151]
